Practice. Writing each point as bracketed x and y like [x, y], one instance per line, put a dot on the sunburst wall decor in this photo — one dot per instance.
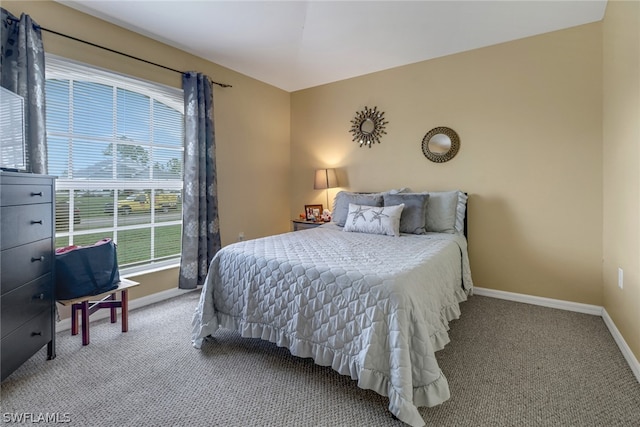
[368, 126]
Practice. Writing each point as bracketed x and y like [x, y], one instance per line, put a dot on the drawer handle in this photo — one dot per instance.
[39, 193]
[35, 334]
[39, 296]
[39, 221]
[34, 259]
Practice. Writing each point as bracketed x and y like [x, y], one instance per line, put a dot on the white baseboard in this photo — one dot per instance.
[65, 324]
[570, 306]
[545, 302]
[622, 344]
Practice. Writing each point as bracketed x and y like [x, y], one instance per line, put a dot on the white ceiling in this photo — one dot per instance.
[298, 44]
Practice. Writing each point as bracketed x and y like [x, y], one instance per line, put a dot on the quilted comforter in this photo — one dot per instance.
[370, 306]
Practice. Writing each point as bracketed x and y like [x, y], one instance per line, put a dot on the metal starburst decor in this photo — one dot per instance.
[368, 126]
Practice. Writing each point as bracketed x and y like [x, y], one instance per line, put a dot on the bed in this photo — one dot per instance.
[371, 305]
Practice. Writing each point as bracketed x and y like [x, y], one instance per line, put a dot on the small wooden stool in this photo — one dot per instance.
[92, 303]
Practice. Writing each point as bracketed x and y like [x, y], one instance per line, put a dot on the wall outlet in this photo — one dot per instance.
[620, 278]
[241, 236]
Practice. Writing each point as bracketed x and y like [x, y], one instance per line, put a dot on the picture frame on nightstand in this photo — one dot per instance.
[312, 212]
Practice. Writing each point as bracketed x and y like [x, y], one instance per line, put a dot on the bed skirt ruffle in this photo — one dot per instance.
[428, 395]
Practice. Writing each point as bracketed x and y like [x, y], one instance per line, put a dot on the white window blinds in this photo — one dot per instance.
[116, 145]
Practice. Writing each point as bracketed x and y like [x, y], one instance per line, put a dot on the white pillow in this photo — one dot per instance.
[374, 220]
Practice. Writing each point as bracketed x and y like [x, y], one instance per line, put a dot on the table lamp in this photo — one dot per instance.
[325, 179]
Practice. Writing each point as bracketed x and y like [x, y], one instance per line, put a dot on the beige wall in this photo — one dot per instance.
[251, 121]
[621, 165]
[529, 117]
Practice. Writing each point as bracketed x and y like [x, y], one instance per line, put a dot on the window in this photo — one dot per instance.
[116, 145]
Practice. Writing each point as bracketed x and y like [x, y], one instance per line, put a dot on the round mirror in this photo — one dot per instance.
[368, 126]
[440, 144]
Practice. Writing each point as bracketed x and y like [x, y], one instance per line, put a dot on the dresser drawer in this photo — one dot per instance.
[25, 224]
[26, 302]
[25, 194]
[25, 263]
[24, 342]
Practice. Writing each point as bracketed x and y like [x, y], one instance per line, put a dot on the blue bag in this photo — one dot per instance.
[86, 270]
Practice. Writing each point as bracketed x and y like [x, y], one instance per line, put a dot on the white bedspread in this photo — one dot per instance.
[372, 307]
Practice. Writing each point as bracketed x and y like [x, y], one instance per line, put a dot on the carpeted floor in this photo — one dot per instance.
[509, 364]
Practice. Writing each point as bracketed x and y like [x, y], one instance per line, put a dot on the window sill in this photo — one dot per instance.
[130, 272]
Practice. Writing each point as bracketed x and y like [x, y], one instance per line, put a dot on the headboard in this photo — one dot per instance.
[466, 214]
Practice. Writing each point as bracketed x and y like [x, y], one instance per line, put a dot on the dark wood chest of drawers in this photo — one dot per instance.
[27, 300]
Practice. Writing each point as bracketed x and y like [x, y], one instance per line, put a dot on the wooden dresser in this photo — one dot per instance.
[27, 259]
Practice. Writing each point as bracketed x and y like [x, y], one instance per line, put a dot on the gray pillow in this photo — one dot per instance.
[343, 198]
[414, 214]
[442, 211]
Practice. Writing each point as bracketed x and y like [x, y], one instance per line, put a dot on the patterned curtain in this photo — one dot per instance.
[22, 70]
[200, 228]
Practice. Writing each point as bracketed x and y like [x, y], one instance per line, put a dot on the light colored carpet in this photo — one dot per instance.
[509, 364]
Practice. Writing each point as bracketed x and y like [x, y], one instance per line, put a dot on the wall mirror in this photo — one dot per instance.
[368, 126]
[440, 144]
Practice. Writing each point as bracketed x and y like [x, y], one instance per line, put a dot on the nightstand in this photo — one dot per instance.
[299, 224]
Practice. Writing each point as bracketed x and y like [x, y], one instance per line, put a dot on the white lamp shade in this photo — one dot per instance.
[325, 178]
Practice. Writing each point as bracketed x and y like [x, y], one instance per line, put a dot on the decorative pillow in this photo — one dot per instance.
[445, 211]
[414, 214]
[374, 219]
[344, 198]
[398, 190]
[461, 212]
[441, 211]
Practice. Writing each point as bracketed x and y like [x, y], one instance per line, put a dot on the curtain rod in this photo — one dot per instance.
[115, 51]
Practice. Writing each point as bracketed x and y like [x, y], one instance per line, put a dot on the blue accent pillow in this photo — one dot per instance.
[414, 214]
